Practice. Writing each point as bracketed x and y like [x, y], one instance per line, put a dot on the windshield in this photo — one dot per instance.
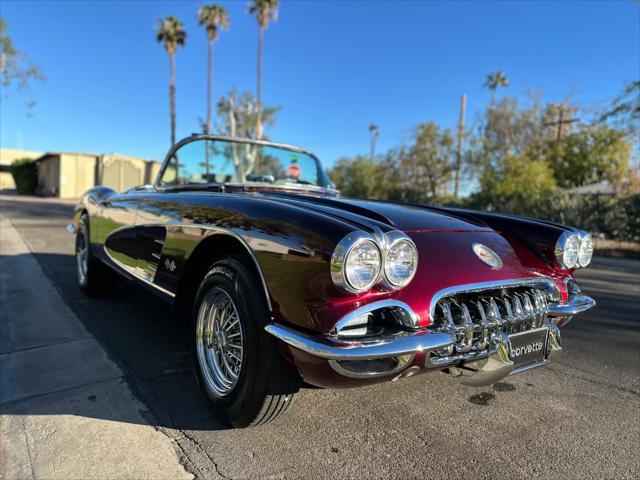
[206, 161]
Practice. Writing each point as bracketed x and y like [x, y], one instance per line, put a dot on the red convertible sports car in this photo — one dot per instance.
[282, 281]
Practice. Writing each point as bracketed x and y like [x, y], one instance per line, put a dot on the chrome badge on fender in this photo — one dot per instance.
[486, 255]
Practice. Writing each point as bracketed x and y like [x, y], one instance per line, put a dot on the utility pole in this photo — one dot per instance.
[561, 122]
[463, 108]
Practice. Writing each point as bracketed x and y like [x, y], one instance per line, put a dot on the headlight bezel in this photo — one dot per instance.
[384, 242]
[564, 245]
[392, 240]
[585, 238]
[340, 256]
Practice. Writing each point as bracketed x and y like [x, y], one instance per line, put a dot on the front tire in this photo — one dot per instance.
[94, 277]
[237, 363]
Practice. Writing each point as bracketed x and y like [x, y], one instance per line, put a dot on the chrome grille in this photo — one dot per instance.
[474, 316]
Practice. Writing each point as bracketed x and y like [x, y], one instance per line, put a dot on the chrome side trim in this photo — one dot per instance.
[133, 273]
[575, 304]
[217, 231]
[390, 346]
[478, 287]
[372, 307]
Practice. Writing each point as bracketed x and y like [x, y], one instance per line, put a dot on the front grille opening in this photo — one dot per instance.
[473, 316]
[379, 322]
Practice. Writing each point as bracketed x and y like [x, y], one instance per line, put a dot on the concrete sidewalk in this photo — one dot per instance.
[65, 409]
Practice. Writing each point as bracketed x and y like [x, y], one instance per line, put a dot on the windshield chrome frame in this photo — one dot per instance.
[223, 138]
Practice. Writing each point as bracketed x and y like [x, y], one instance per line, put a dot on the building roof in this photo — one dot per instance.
[92, 155]
[59, 154]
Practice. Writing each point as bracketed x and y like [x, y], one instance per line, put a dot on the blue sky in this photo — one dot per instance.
[333, 66]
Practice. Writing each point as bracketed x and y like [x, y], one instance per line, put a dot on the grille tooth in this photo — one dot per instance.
[493, 313]
[484, 323]
[540, 301]
[529, 311]
[446, 312]
[517, 308]
[467, 328]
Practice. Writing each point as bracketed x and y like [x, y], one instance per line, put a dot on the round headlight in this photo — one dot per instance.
[585, 252]
[567, 248]
[401, 263]
[362, 266]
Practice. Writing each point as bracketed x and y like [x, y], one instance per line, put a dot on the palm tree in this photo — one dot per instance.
[170, 32]
[494, 81]
[373, 130]
[265, 11]
[214, 18]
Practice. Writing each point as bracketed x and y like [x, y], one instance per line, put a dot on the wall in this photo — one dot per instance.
[122, 173]
[77, 174]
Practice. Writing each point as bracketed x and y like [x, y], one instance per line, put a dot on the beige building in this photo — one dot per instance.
[70, 174]
[7, 157]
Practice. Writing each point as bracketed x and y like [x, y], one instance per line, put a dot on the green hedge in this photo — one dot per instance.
[616, 217]
[25, 175]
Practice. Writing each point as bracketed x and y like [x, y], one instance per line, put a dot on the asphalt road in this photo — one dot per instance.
[578, 417]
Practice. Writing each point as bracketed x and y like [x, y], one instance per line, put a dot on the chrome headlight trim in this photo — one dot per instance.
[567, 242]
[392, 239]
[585, 251]
[340, 256]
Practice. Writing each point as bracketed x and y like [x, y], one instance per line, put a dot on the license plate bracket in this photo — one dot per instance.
[528, 347]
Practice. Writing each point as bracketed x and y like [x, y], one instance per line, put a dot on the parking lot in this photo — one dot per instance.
[578, 417]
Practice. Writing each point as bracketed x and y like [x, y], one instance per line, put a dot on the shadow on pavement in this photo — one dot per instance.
[142, 336]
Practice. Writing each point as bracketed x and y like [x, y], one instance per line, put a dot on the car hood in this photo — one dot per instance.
[409, 218]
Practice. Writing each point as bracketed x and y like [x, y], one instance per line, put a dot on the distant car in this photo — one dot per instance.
[282, 281]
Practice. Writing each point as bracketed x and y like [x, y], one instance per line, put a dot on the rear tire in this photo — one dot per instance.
[238, 364]
[94, 277]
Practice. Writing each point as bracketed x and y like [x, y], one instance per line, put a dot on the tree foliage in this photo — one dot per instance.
[16, 67]
[416, 172]
[238, 117]
[423, 169]
[213, 18]
[494, 81]
[238, 112]
[264, 10]
[171, 33]
[522, 158]
[594, 154]
[625, 108]
[360, 177]
[25, 175]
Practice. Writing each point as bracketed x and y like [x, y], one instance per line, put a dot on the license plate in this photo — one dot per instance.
[528, 347]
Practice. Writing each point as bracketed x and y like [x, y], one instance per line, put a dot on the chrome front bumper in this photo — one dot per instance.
[576, 304]
[385, 347]
[498, 359]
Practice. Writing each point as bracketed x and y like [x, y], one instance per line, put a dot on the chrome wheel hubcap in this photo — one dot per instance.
[82, 254]
[219, 341]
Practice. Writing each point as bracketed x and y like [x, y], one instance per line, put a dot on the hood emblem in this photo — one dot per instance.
[486, 255]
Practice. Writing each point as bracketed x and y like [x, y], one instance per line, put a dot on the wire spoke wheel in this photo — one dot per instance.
[219, 341]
